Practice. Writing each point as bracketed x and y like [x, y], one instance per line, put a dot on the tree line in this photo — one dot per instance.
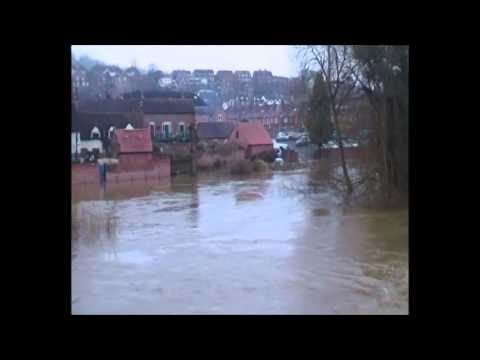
[334, 76]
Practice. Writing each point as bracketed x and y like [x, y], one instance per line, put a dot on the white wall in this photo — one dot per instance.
[75, 137]
[90, 145]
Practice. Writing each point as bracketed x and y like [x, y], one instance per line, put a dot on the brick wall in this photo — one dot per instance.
[257, 149]
[159, 167]
[175, 120]
[135, 162]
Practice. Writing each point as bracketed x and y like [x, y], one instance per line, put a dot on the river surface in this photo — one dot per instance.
[233, 245]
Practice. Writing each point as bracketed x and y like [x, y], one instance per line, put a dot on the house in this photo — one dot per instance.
[167, 118]
[253, 137]
[93, 132]
[262, 83]
[224, 80]
[211, 132]
[133, 148]
[181, 78]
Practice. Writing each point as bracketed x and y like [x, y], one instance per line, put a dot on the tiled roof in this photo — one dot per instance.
[134, 141]
[85, 122]
[108, 106]
[214, 130]
[177, 106]
[253, 133]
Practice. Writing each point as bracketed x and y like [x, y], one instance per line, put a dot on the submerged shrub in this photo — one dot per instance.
[260, 165]
[217, 164]
[267, 156]
[241, 167]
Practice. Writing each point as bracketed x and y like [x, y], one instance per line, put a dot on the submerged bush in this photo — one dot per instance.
[182, 157]
[217, 164]
[260, 165]
[267, 156]
[241, 167]
[225, 149]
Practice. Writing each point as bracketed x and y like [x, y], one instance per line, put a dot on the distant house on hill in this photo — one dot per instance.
[253, 137]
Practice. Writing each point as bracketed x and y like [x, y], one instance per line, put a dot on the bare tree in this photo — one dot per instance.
[336, 66]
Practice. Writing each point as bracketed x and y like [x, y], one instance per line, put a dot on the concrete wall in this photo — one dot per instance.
[90, 145]
[75, 138]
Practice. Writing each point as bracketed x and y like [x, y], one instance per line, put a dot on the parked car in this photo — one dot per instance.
[282, 137]
[331, 145]
[294, 135]
[349, 143]
[303, 140]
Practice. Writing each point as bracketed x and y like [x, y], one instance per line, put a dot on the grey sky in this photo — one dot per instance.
[279, 59]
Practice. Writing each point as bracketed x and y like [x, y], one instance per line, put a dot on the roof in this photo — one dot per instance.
[169, 106]
[214, 130]
[108, 106]
[253, 133]
[84, 122]
[134, 141]
[150, 105]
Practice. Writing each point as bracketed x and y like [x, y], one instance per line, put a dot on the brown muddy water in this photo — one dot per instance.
[234, 245]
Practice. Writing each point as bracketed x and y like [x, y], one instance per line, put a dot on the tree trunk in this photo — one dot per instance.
[342, 154]
[193, 146]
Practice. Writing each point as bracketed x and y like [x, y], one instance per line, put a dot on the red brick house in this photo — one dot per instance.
[253, 137]
[133, 148]
[168, 117]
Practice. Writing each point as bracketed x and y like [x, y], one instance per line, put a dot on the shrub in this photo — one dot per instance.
[267, 156]
[203, 164]
[241, 167]
[260, 165]
[225, 149]
[201, 146]
[217, 164]
[182, 157]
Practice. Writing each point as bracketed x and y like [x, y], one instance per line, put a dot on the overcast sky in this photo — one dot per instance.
[279, 59]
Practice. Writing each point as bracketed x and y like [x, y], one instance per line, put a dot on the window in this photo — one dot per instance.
[182, 129]
[236, 134]
[152, 129]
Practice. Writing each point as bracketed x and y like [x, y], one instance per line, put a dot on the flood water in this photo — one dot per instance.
[233, 245]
